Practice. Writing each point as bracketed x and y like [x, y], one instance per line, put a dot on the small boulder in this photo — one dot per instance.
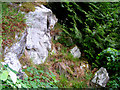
[100, 78]
[75, 52]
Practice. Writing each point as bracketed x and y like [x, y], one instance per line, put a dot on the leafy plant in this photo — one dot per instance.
[36, 80]
[89, 25]
[110, 59]
[114, 82]
[39, 78]
[9, 79]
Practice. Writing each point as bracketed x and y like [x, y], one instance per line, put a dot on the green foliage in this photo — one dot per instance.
[12, 22]
[39, 78]
[36, 80]
[0, 43]
[114, 82]
[74, 82]
[4, 75]
[92, 26]
[69, 56]
[82, 84]
[79, 84]
[65, 40]
[63, 81]
[110, 59]
[9, 78]
[27, 6]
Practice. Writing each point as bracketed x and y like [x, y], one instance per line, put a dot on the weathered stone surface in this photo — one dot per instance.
[12, 54]
[75, 52]
[36, 39]
[38, 43]
[101, 77]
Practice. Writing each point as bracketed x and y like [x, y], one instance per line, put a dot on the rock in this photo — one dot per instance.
[84, 65]
[75, 52]
[36, 39]
[12, 54]
[12, 61]
[101, 77]
[38, 43]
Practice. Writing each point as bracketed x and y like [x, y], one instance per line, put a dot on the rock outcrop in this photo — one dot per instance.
[38, 43]
[36, 39]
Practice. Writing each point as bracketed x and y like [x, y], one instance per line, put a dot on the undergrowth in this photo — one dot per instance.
[61, 70]
[37, 79]
[13, 23]
[67, 68]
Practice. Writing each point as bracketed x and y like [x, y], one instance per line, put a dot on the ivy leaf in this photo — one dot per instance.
[97, 57]
[4, 75]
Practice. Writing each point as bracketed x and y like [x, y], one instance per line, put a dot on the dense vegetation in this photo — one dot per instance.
[93, 27]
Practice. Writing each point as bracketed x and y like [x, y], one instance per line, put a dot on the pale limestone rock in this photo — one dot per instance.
[38, 43]
[36, 39]
[12, 61]
[75, 52]
[12, 54]
[101, 77]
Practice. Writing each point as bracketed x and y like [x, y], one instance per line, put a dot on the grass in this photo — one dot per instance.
[13, 22]
[62, 64]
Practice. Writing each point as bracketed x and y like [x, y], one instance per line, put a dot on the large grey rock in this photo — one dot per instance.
[36, 39]
[40, 22]
[75, 52]
[12, 54]
[101, 77]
